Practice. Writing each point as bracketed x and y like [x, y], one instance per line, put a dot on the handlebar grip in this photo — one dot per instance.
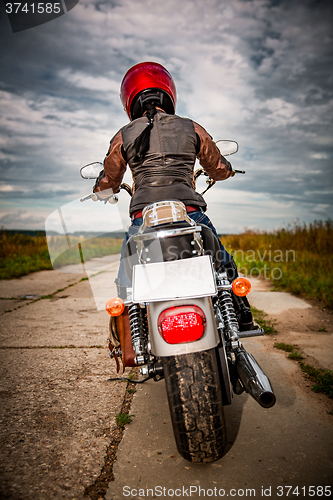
[113, 199]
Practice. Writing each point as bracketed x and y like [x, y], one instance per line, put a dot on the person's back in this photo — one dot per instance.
[166, 170]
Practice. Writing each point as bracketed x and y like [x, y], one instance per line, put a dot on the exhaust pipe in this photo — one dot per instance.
[256, 383]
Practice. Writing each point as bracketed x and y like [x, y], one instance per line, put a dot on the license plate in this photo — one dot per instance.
[178, 279]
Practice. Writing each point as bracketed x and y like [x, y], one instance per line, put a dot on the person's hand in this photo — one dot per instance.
[104, 195]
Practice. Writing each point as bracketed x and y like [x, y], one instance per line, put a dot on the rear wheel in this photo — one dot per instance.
[195, 402]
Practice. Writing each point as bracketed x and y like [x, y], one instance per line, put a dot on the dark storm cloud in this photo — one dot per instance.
[257, 71]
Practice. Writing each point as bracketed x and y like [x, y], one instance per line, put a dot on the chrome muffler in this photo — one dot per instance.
[256, 383]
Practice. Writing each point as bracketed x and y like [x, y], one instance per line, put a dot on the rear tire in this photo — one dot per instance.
[195, 402]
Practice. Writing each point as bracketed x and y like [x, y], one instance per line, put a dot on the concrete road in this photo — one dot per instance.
[57, 408]
[57, 411]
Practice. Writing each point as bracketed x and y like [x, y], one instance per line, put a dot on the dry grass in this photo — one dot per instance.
[88, 247]
[297, 258]
[21, 254]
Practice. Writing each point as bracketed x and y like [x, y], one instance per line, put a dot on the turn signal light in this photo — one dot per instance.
[115, 306]
[182, 324]
[241, 287]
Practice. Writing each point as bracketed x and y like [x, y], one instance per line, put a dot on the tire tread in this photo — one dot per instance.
[195, 402]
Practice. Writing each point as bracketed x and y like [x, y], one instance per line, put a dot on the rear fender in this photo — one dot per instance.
[160, 348]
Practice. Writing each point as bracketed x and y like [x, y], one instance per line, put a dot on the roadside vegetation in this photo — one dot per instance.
[323, 379]
[81, 249]
[298, 258]
[263, 321]
[21, 254]
[123, 418]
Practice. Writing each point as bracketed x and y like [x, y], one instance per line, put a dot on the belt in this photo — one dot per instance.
[189, 208]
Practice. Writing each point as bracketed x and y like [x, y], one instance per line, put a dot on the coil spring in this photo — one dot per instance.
[139, 329]
[228, 311]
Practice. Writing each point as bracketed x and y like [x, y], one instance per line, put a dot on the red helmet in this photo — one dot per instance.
[147, 79]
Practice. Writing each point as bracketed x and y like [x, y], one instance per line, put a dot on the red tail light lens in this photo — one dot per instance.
[182, 324]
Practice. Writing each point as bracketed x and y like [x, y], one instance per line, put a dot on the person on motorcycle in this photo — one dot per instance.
[161, 149]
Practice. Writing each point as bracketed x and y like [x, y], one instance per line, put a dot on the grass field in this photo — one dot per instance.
[81, 249]
[22, 254]
[298, 258]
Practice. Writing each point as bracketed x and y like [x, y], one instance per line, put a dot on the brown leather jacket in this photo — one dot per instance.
[166, 171]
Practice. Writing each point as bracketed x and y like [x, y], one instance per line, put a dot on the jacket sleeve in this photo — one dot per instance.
[114, 166]
[209, 156]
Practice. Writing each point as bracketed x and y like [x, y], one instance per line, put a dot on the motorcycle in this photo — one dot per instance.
[178, 321]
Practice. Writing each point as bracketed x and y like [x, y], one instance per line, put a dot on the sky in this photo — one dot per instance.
[255, 71]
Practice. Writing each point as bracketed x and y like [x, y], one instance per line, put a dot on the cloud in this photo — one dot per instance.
[256, 71]
[93, 83]
[320, 156]
[21, 219]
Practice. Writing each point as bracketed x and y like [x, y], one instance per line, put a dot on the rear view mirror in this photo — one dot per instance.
[227, 147]
[92, 170]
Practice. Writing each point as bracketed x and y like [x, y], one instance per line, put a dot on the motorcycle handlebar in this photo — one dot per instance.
[210, 182]
[200, 171]
[91, 196]
[112, 199]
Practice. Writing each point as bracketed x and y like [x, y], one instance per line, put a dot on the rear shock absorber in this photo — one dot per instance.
[139, 333]
[229, 315]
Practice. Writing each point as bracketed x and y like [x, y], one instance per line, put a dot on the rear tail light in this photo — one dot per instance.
[181, 324]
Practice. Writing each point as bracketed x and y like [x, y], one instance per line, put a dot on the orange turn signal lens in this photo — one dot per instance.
[115, 306]
[241, 287]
